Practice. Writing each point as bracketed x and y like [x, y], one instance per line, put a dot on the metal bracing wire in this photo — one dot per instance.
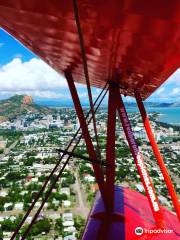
[55, 168]
[86, 73]
[55, 181]
[82, 157]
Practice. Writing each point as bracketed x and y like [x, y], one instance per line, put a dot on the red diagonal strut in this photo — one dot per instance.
[157, 154]
[141, 167]
[110, 146]
[90, 148]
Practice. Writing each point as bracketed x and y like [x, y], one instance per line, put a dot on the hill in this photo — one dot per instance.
[18, 105]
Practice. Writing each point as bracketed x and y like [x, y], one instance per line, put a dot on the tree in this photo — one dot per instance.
[90, 197]
[43, 225]
[139, 142]
[85, 169]
[2, 202]
[79, 224]
[10, 226]
[14, 176]
[1, 234]
[59, 226]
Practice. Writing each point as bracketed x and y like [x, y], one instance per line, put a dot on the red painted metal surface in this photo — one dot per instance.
[110, 146]
[85, 132]
[139, 38]
[158, 156]
[141, 167]
[137, 212]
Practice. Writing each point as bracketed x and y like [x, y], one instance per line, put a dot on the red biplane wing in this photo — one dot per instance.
[138, 38]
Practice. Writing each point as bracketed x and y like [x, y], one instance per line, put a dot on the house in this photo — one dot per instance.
[28, 178]
[68, 223]
[56, 202]
[68, 219]
[67, 216]
[139, 132]
[28, 219]
[37, 204]
[18, 206]
[3, 193]
[70, 229]
[12, 218]
[163, 200]
[1, 219]
[89, 178]
[66, 203]
[7, 235]
[65, 190]
[70, 237]
[139, 187]
[94, 187]
[3, 143]
[6, 205]
[23, 192]
[40, 217]
[35, 179]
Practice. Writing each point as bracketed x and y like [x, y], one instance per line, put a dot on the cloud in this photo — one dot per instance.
[36, 78]
[176, 91]
[37, 94]
[170, 90]
[175, 94]
[1, 44]
[29, 76]
[174, 78]
[33, 77]
[48, 95]
[160, 90]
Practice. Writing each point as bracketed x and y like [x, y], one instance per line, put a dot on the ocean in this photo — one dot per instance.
[169, 115]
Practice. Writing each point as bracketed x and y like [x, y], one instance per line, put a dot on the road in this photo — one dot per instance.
[82, 208]
[7, 150]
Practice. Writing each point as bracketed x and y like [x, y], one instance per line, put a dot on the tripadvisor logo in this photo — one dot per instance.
[139, 231]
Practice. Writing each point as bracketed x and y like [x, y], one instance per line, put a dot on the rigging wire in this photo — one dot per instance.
[86, 73]
[82, 157]
[58, 163]
[55, 181]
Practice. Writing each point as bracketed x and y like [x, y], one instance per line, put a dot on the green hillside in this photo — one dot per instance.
[18, 105]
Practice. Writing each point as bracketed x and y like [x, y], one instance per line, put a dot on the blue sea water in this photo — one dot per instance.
[167, 114]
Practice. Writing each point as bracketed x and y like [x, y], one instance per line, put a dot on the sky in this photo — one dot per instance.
[22, 72]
